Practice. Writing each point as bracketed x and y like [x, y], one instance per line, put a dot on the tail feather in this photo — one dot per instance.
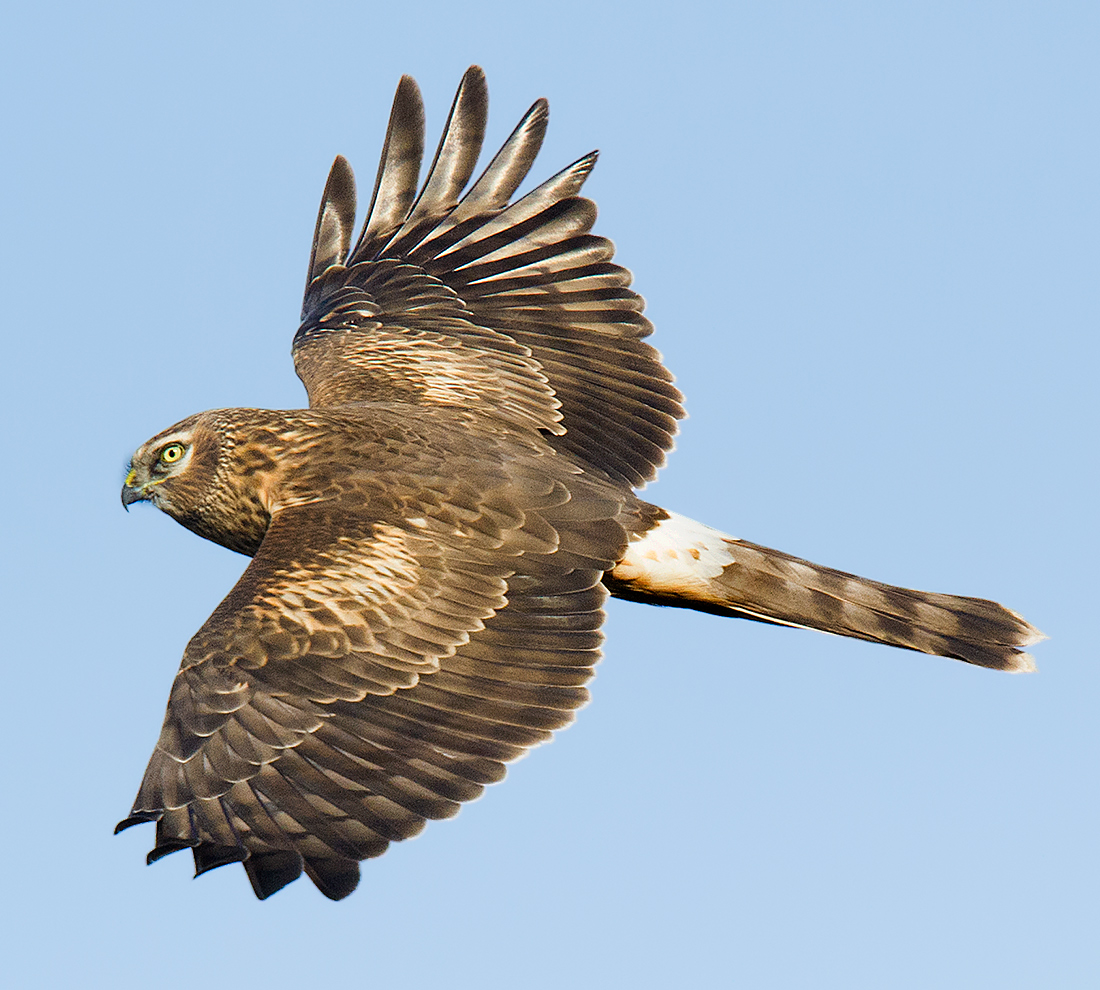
[683, 563]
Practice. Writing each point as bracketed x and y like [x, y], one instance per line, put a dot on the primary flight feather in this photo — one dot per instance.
[433, 538]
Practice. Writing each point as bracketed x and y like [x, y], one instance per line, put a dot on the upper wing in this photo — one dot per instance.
[367, 674]
[469, 300]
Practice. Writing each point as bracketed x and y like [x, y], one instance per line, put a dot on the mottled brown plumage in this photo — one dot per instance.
[432, 540]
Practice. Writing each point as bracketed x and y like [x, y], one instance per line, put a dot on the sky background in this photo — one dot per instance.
[867, 233]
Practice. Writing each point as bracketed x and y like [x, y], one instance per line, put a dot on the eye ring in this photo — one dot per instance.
[171, 454]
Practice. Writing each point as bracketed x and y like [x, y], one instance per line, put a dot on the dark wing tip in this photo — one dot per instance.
[335, 878]
[583, 165]
[510, 165]
[407, 112]
[139, 818]
[210, 857]
[398, 170]
[335, 220]
[340, 186]
[473, 75]
[271, 872]
[166, 848]
[455, 158]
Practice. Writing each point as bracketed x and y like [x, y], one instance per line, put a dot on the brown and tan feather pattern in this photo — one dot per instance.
[301, 724]
[509, 280]
[433, 539]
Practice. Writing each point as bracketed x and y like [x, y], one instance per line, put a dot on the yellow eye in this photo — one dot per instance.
[172, 453]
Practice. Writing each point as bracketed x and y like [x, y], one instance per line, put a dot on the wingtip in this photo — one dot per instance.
[138, 818]
[335, 223]
[474, 74]
[407, 101]
[340, 188]
[584, 165]
[407, 113]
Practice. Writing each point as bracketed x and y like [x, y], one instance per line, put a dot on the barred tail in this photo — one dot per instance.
[686, 564]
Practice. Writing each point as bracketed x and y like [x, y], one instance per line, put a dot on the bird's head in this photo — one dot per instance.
[208, 474]
[161, 470]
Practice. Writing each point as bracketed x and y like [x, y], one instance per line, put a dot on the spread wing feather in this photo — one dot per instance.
[370, 673]
[399, 168]
[456, 156]
[335, 221]
[527, 309]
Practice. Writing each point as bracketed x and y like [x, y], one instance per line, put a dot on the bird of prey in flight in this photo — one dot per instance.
[433, 538]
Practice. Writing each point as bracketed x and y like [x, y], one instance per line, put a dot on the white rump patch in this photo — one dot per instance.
[678, 557]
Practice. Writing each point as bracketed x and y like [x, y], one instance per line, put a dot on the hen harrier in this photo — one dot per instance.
[433, 538]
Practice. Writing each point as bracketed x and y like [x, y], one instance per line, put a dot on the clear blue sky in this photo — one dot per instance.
[867, 233]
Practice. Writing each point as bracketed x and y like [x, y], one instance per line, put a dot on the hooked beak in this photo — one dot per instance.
[131, 492]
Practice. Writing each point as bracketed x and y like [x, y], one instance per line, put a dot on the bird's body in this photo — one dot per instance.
[382, 455]
[432, 539]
